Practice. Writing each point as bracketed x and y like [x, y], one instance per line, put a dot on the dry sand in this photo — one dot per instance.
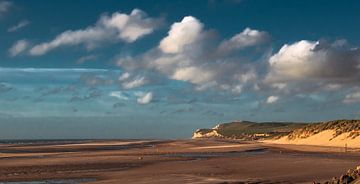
[178, 161]
[324, 138]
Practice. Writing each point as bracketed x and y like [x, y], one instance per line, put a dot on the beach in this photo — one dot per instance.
[172, 161]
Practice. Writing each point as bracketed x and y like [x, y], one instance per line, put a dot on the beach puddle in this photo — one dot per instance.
[60, 181]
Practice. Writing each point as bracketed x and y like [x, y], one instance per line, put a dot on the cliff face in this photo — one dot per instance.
[206, 133]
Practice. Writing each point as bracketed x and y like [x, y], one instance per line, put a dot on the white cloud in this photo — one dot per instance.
[129, 81]
[118, 94]
[137, 82]
[89, 37]
[145, 98]
[306, 67]
[352, 98]
[18, 47]
[181, 34]
[193, 74]
[18, 26]
[247, 38]
[272, 99]
[117, 27]
[314, 61]
[131, 27]
[189, 53]
[124, 76]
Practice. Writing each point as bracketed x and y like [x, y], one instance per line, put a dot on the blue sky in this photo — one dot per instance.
[161, 69]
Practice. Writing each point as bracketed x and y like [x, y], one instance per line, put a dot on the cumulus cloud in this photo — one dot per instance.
[246, 38]
[131, 27]
[189, 53]
[193, 74]
[19, 26]
[352, 98]
[181, 34]
[117, 27]
[145, 98]
[18, 47]
[306, 67]
[311, 61]
[272, 99]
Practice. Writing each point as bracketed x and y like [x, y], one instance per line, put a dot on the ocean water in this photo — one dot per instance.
[95, 128]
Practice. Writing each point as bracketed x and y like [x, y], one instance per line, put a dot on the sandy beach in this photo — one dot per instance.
[173, 161]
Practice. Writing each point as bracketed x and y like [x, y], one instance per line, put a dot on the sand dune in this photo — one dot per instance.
[324, 138]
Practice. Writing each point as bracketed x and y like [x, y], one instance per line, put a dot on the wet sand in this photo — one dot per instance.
[173, 161]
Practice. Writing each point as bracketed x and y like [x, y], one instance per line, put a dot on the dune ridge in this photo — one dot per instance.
[323, 138]
[337, 133]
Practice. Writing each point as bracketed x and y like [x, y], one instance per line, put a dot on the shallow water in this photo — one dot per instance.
[63, 181]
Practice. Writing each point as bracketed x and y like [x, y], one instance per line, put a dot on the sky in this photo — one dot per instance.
[162, 69]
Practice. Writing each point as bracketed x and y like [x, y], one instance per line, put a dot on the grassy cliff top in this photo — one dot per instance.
[248, 127]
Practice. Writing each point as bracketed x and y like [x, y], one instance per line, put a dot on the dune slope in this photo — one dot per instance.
[339, 133]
